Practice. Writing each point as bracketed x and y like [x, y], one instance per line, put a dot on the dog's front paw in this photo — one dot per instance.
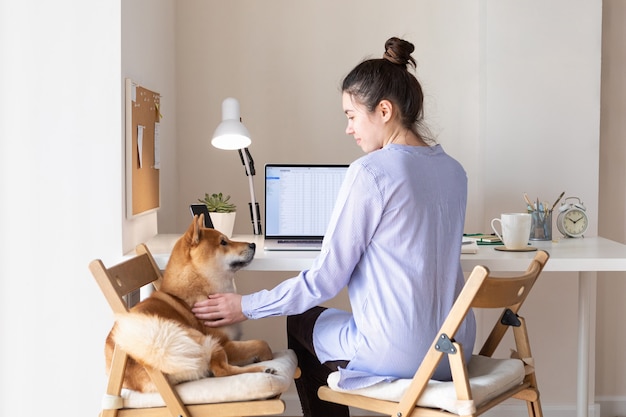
[258, 359]
[271, 371]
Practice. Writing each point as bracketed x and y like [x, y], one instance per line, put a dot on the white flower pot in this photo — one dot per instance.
[224, 222]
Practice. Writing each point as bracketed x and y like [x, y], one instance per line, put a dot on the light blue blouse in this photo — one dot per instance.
[394, 240]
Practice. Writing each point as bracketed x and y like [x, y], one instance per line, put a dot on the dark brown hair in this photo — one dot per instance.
[388, 78]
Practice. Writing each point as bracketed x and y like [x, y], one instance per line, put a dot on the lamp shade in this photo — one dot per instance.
[231, 134]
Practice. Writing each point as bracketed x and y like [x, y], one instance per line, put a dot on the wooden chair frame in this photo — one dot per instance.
[481, 291]
[116, 283]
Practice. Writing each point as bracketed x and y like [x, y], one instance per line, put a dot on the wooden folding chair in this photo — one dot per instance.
[251, 394]
[475, 387]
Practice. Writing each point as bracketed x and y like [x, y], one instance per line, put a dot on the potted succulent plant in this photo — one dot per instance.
[222, 212]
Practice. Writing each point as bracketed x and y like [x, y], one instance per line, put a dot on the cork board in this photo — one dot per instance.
[142, 149]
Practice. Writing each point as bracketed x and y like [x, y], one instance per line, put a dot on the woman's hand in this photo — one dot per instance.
[219, 310]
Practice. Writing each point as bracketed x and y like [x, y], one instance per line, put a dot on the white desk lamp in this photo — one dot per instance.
[231, 134]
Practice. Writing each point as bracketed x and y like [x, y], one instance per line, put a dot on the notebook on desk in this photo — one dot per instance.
[299, 200]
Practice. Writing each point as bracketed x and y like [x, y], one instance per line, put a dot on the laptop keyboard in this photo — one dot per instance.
[300, 241]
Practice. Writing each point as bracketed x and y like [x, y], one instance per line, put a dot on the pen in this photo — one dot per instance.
[528, 203]
[557, 200]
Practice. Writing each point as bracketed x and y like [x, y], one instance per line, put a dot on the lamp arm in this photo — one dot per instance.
[247, 158]
[250, 167]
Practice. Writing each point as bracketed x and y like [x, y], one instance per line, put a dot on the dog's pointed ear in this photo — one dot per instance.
[193, 232]
[198, 224]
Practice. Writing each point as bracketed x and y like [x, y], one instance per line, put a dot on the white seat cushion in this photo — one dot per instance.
[488, 378]
[252, 386]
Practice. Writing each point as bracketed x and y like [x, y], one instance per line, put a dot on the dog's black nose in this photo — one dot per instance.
[252, 245]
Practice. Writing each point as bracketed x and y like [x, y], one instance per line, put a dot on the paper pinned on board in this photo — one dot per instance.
[140, 144]
[157, 146]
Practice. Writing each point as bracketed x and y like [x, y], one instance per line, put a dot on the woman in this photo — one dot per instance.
[394, 240]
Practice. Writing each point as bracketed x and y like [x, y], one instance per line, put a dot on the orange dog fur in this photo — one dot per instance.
[162, 332]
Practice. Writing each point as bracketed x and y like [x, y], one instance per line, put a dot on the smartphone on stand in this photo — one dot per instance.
[197, 209]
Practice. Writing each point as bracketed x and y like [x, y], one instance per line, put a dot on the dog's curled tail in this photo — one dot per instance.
[163, 344]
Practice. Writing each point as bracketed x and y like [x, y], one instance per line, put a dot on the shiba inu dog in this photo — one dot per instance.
[163, 333]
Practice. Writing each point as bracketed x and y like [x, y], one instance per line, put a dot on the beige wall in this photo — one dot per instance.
[611, 361]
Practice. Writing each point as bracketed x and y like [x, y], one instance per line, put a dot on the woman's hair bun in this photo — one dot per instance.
[399, 51]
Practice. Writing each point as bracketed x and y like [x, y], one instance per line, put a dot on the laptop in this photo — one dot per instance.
[299, 200]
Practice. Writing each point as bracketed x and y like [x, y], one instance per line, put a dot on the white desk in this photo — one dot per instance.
[585, 256]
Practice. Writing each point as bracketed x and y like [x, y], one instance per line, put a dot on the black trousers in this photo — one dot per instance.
[314, 373]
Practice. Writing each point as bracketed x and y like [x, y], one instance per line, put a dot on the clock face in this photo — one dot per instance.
[575, 222]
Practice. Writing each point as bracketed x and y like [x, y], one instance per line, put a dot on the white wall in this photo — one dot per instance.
[60, 196]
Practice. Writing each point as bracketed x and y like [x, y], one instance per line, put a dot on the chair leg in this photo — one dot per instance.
[523, 349]
[534, 408]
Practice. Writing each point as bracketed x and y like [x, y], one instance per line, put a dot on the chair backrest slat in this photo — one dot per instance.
[503, 292]
[136, 273]
[508, 293]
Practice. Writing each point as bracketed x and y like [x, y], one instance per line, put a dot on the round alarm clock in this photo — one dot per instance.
[572, 220]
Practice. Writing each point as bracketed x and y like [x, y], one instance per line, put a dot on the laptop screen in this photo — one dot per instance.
[299, 199]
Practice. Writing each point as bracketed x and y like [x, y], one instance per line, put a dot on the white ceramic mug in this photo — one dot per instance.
[515, 229]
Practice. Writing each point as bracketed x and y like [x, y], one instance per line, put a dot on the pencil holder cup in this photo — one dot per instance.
[541, 225]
